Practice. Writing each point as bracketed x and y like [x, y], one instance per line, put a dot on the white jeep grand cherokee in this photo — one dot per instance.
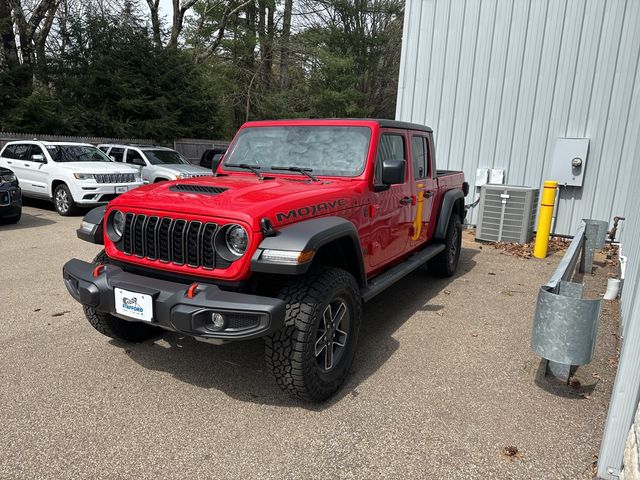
[70, 174]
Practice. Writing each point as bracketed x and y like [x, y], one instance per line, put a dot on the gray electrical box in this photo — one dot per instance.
[569, 161]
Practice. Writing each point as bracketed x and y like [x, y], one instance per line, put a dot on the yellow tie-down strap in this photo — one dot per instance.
[417, 222]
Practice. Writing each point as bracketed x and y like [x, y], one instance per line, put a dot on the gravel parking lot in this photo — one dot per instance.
[443, 381]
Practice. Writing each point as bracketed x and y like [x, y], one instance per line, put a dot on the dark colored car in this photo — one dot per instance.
[10, 197]
[212, 157]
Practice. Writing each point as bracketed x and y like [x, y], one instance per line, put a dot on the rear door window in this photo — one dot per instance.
[420, 154]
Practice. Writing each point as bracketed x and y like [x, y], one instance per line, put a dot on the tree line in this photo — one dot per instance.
[120, 68]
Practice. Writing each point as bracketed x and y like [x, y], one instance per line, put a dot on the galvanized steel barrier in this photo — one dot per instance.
[565, 324]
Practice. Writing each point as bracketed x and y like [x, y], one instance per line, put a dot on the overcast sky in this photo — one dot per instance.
[165, 8]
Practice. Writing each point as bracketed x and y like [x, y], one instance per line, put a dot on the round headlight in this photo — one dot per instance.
[117, 222]
[237, 240]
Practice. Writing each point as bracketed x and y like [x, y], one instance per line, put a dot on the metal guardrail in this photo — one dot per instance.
[565, 324]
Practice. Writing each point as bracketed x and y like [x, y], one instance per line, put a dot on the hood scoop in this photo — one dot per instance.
[201, 189]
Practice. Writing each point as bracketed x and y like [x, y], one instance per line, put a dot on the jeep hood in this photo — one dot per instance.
[245, 198]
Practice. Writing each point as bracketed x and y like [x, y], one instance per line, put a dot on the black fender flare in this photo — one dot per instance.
[450, 199]
[91, 229]
[308, 235]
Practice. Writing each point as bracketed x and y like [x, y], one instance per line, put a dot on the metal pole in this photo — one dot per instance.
[590, 241]
[544, 219]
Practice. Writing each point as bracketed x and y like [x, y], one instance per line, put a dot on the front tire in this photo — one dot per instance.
[311, 355]
[114, 327]
[445, 263]
[12, 219]
[63, 201]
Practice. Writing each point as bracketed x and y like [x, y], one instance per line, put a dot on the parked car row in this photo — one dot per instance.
[155, 164]
[74, 175]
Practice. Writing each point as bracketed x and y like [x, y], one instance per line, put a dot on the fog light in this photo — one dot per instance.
[217, 321]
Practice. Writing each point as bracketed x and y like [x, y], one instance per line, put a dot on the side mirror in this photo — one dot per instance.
[139, 162]
[38, 158]
[113, 159]
[393, 171]
[215, 161]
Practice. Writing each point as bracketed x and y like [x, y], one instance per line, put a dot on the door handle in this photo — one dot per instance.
[405, 200]
[27, 165]
[10, 163]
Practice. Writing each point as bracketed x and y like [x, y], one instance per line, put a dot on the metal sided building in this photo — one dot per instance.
[500, 82]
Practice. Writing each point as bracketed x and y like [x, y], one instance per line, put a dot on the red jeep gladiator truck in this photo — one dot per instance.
[301, 223]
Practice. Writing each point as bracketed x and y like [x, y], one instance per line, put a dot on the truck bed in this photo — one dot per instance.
[444, 173]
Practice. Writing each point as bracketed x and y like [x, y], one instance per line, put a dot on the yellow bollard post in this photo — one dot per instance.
[544, 219]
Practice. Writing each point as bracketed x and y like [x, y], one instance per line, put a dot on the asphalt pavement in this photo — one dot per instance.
[442, 382]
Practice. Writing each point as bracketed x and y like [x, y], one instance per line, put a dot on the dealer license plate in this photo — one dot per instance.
[134, 305]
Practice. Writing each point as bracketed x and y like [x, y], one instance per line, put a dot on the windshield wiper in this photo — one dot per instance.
[304, 171]
[246, 166]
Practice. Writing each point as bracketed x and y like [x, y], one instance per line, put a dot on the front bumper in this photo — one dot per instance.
[10, 196]
[246, 316]
[93, 193]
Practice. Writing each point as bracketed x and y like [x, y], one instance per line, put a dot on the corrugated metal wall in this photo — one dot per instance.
[626, 389]
[500, 80]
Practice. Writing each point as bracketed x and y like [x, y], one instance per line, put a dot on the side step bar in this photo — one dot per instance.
[391, 276]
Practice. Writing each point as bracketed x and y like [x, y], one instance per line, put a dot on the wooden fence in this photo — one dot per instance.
[191, 148]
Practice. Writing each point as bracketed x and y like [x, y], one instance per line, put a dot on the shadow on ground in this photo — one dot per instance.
[33, 219]
[575, 389]
[238, 369]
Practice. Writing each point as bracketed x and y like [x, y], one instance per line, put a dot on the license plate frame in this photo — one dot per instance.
[121, 189]
[134, 305]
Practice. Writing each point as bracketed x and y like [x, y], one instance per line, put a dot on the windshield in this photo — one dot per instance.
[326, 150]
[165, 157]
[76, 153]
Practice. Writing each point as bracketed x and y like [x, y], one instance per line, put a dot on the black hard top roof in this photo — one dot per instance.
[383, 122]
[386, 123]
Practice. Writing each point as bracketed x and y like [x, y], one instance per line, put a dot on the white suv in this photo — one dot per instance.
[70, 174]
[156, 164]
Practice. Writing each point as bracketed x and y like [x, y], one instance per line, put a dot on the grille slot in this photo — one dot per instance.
[171, 240]
[164, 240]
[177, 241]
[138, 235]
[193, 244]
[208, 253]
[151, 244]
[192, 188]
[127, 234]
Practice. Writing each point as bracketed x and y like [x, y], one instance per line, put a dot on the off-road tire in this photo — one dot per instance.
[72, 208]
[290, 352]
[115, 327]
[446, 262]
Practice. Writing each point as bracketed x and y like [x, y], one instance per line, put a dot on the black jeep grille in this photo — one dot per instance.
[171, 240]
